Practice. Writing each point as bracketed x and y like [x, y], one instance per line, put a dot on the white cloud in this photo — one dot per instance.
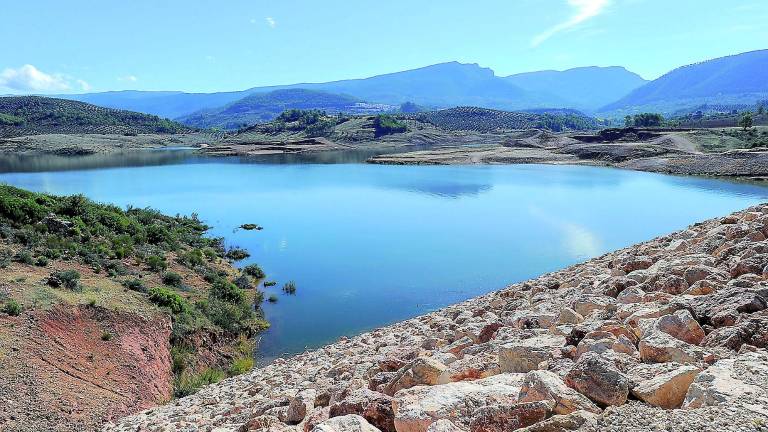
[31, 79]
[271, 22]
[253, 20]
[128, 78]
[84, 86]
[583, 11]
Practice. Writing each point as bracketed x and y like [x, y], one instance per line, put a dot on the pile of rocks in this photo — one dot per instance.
[666, 335]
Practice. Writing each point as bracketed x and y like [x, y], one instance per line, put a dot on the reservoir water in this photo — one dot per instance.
[368, 245]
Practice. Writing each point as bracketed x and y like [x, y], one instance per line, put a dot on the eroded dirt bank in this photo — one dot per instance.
[60, 374]
[670, 334]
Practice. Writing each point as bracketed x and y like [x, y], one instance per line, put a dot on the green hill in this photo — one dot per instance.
[488, 120]
[265, 107]
[35, 115]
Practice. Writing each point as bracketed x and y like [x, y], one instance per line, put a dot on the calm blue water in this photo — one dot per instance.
[369, 245]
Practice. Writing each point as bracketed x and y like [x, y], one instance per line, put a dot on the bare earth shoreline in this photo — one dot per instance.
[736, 163]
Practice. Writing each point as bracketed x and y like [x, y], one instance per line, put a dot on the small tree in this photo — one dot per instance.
[628, 121]
[761, 110]
[746, 120]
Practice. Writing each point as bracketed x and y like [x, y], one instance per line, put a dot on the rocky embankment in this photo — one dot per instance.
[669, 335]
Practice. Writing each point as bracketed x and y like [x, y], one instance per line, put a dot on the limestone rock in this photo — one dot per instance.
[496, 418]
[300, 405]
[577, 420]
[596, 378]
[681, 325]
[660, 347]
[443, 426]
[471, 368]
[423, 370]
[527, 355]
[347, 423]
[545, 385]
[418, 407]
[667, 390]
[569, 316]
[373, 406]
[729, 379]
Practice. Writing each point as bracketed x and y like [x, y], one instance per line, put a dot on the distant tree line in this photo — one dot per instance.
[644, 120]
[385, 124]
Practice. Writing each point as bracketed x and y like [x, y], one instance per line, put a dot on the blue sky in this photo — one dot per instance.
[54, 46]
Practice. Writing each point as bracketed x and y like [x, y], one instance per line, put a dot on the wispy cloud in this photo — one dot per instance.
[271, 22]
[84, 86]
[128, 78]
[28, 78]
[583, 11]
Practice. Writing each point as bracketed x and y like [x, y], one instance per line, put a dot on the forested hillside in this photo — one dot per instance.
[34, 115]
[488, 120]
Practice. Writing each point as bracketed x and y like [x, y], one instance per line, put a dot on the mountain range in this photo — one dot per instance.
[606, 91]
[741, 78]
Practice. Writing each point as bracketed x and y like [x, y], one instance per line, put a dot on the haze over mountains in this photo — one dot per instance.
[586, 88]
[741, 78]
[264, 107]
[605, 91]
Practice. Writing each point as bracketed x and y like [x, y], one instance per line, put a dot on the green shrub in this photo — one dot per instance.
[187, 384]
[243, 282]
[156, 263]
[210, 254]
[268, 284]
[192, 258]
[6, 256]
[12, 307]
[157, 234]
[272, 298]
[106, 336]
[289, 287]
[115, 268]
[237, 254]
[233, 318]
[65, 278]
[241, 365]
[227, 291]
[41, 261]
[24, 257]
[179, 358]
[135, 285]
[172, 279]
[166, 298]
[21, 210]
[254, 271]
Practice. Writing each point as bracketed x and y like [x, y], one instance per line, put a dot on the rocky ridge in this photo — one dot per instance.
[670, 334]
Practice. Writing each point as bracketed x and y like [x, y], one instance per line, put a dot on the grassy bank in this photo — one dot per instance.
[72, 250]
